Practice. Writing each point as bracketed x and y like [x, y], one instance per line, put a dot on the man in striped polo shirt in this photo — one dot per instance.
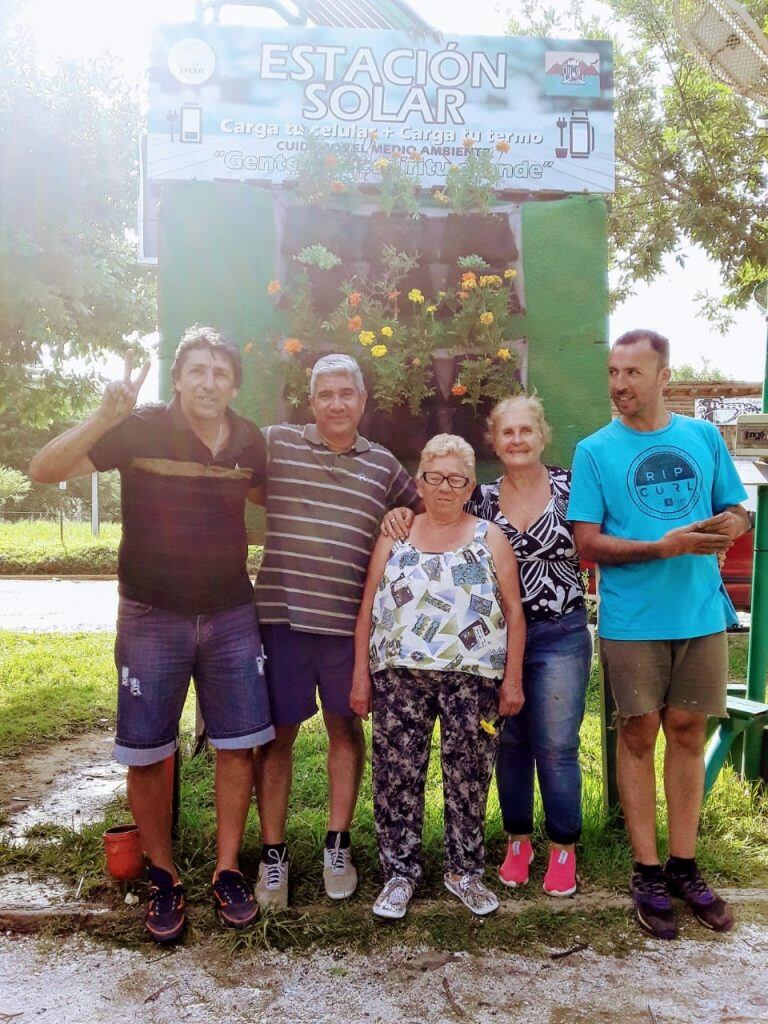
[326, 491]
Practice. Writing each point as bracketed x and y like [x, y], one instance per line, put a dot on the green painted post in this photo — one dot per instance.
[757, 659]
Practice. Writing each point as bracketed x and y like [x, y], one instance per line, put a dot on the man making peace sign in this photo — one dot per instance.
[186, 600]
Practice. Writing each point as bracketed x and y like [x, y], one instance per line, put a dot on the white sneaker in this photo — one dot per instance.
[339, 873]
[271, 888]
[472, 893]
[392, 901]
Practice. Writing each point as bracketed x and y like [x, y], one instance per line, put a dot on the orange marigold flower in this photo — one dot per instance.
[331, 160]
[392, 295]
[417, 157]
[292, 346]
[503, 147]
[373, 135]
[355, 323]
[468, 142]
[274, 287]
[338, 186]
[458, 389]
[354, 299]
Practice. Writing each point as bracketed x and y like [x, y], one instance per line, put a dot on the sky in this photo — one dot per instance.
[78, 29]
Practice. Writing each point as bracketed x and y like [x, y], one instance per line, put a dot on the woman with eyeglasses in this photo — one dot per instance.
[528, 504]
[440, 634]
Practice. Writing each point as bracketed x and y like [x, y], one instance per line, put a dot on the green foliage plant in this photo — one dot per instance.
[13, 485]
[397, 189]
[326, 173]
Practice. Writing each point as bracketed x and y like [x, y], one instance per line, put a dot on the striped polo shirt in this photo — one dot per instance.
[323, 513]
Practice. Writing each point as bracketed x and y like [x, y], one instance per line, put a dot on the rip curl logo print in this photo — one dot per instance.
[664, 482]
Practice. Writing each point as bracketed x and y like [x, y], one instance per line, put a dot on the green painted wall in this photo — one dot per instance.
[217, 244]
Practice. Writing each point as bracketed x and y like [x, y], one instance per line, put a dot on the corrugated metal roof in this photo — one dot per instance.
[376, 14]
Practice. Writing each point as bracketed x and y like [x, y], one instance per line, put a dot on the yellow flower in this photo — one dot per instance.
[490, 281]
[488, 727]
[441, 295]
[379, 165]
[415, 361]
[292, 346]
[441, 197]
[431, 309]
[248, 348]
[504, 354]
[415, 295]
[486, 319]
[510, 274]
[387, 332]
[366, 337]
[469, 279]
[378, 351]
[273, 287]
[503, 147]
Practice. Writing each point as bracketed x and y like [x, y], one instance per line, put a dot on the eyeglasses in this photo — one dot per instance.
[435, 479]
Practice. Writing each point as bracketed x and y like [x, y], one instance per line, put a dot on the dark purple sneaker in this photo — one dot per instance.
[653, 906]
[234, 899]
[166, 915]
[707, 906]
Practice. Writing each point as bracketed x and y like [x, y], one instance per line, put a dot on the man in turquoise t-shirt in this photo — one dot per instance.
[654, 499]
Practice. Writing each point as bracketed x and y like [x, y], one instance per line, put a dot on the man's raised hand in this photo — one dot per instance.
[120, 395]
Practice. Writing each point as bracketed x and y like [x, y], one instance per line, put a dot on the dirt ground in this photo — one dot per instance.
[715, 980]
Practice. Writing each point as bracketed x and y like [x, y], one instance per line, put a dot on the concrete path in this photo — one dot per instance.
[58, 606]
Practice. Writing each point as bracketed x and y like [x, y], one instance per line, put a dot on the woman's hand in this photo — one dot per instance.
[396, 523]
[360, 695]
[511, 698]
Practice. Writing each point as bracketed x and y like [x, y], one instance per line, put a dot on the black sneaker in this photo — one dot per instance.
[234, 899]
[166, 915]
[707, 906]
[653, 906]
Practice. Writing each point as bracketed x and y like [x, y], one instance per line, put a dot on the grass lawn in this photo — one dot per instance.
[53, 685]
[34, 547]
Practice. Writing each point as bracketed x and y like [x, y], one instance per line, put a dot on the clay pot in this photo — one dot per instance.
[125, 856]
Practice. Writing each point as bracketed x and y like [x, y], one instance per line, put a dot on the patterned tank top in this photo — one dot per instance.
[440, 611]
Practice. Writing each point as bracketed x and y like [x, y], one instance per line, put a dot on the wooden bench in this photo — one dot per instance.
[742, 713]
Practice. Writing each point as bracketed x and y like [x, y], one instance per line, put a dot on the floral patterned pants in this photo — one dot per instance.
[406, 703]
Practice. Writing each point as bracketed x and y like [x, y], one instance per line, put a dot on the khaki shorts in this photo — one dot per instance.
[647, 675]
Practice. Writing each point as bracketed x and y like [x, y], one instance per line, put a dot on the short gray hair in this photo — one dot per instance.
[449, 444]
[336, 362]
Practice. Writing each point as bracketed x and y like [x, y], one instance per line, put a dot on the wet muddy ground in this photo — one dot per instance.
[717, 980]
[67, 783]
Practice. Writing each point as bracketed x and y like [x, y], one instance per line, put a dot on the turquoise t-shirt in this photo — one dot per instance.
[638, 485]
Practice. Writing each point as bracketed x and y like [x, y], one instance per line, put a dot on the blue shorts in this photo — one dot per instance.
[156, 653]
[299, 664]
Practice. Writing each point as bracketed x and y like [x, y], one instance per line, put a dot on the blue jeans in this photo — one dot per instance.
[156, 652]
[546, 732]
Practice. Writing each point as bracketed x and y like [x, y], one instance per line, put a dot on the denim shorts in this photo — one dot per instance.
[299, 664]
[157, 652]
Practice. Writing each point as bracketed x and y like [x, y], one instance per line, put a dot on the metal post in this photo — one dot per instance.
[757, 659]
[94, 504]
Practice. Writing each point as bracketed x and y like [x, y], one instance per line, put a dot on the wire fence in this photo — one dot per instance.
[92, 499]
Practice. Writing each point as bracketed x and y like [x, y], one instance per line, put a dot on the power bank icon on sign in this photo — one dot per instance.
[580, 136]
[191, 123]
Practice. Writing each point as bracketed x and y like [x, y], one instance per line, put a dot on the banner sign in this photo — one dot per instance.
[235, 102]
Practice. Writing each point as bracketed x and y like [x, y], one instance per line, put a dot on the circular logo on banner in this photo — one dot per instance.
[664, 482]
[191, 61]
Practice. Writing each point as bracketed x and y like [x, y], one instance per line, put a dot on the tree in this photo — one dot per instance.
[13, 485]
[691, 164]
[70, 287]
[706, 372]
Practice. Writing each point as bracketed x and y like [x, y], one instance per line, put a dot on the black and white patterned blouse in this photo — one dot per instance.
[550, 580]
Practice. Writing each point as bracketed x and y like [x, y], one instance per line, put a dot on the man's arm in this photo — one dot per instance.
[66, 456]
[599, 547]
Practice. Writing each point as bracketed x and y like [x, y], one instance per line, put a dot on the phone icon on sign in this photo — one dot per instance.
[191, 123]
[582, 135]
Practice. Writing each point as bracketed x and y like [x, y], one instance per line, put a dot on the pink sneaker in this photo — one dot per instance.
[560, 879]
[514, 870]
